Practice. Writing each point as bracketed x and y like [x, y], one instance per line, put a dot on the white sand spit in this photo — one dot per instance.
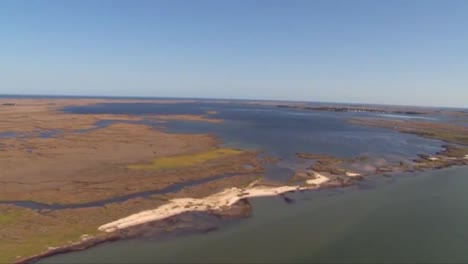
[319, 179]
[352, 174]
[218, 201]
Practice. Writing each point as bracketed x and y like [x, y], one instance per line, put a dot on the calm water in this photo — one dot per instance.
[278, 131]
[418, 218]
[281, 132]
[401, 219]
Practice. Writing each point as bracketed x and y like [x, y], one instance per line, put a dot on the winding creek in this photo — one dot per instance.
[119, 199]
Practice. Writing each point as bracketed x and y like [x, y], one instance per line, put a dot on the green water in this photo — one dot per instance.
[418, 218]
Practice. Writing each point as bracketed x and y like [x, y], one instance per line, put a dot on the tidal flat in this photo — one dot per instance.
[71, 166]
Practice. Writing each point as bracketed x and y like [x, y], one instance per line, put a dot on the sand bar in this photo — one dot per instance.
[218, 201]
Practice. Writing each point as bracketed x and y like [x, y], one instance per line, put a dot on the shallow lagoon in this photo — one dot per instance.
[278, 131]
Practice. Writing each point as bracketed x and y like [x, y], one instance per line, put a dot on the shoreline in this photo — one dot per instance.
[84, 158]
[221, 203]
[325, 172]
[217, 201]
[218, 204]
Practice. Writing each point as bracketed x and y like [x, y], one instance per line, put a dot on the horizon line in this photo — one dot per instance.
[18, 96]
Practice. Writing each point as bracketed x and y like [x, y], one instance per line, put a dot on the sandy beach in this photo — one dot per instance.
[218, 201]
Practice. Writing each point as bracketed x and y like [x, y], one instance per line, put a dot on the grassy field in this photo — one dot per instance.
[188, 160]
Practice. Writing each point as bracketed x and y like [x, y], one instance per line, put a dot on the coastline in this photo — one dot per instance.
[224, 203]
[219, 204]
[325, 172]
[88, 158]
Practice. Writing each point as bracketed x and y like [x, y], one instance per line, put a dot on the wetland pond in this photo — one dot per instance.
[279, 132]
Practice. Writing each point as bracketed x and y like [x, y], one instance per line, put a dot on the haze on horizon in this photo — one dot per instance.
[360, 51]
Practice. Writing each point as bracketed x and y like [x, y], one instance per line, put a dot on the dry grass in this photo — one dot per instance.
[76, 168]
[179, 161]
[26, 232]
[450, 133]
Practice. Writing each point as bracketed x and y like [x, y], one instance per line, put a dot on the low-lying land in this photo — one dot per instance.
[454, 153]
[95, 183]
[447, 132]
[342, 172]
[381, 110]
[228, 203]
[57, 158]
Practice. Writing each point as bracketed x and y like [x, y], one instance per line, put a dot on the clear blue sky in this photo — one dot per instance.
[376, 51]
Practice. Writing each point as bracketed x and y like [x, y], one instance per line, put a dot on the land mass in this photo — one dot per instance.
[71, 181]
[64, 175]
[353, 109]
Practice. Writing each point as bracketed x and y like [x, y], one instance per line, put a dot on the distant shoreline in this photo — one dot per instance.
[251, 100]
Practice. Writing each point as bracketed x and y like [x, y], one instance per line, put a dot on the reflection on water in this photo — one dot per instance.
[280, 132]
[408, 218]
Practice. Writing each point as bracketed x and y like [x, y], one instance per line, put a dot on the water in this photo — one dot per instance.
[400, 116]
[279, 132]
[402, 219]
[118, 199]
[406, 219]
[50, 133]
[39, 133]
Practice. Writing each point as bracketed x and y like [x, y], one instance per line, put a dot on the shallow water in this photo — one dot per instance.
[401, 116]
[119, 199]
[279, 132]
[8, 134]
[407, 218]
[401, 219]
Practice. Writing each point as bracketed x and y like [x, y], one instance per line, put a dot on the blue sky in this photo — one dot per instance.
[376, 51]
